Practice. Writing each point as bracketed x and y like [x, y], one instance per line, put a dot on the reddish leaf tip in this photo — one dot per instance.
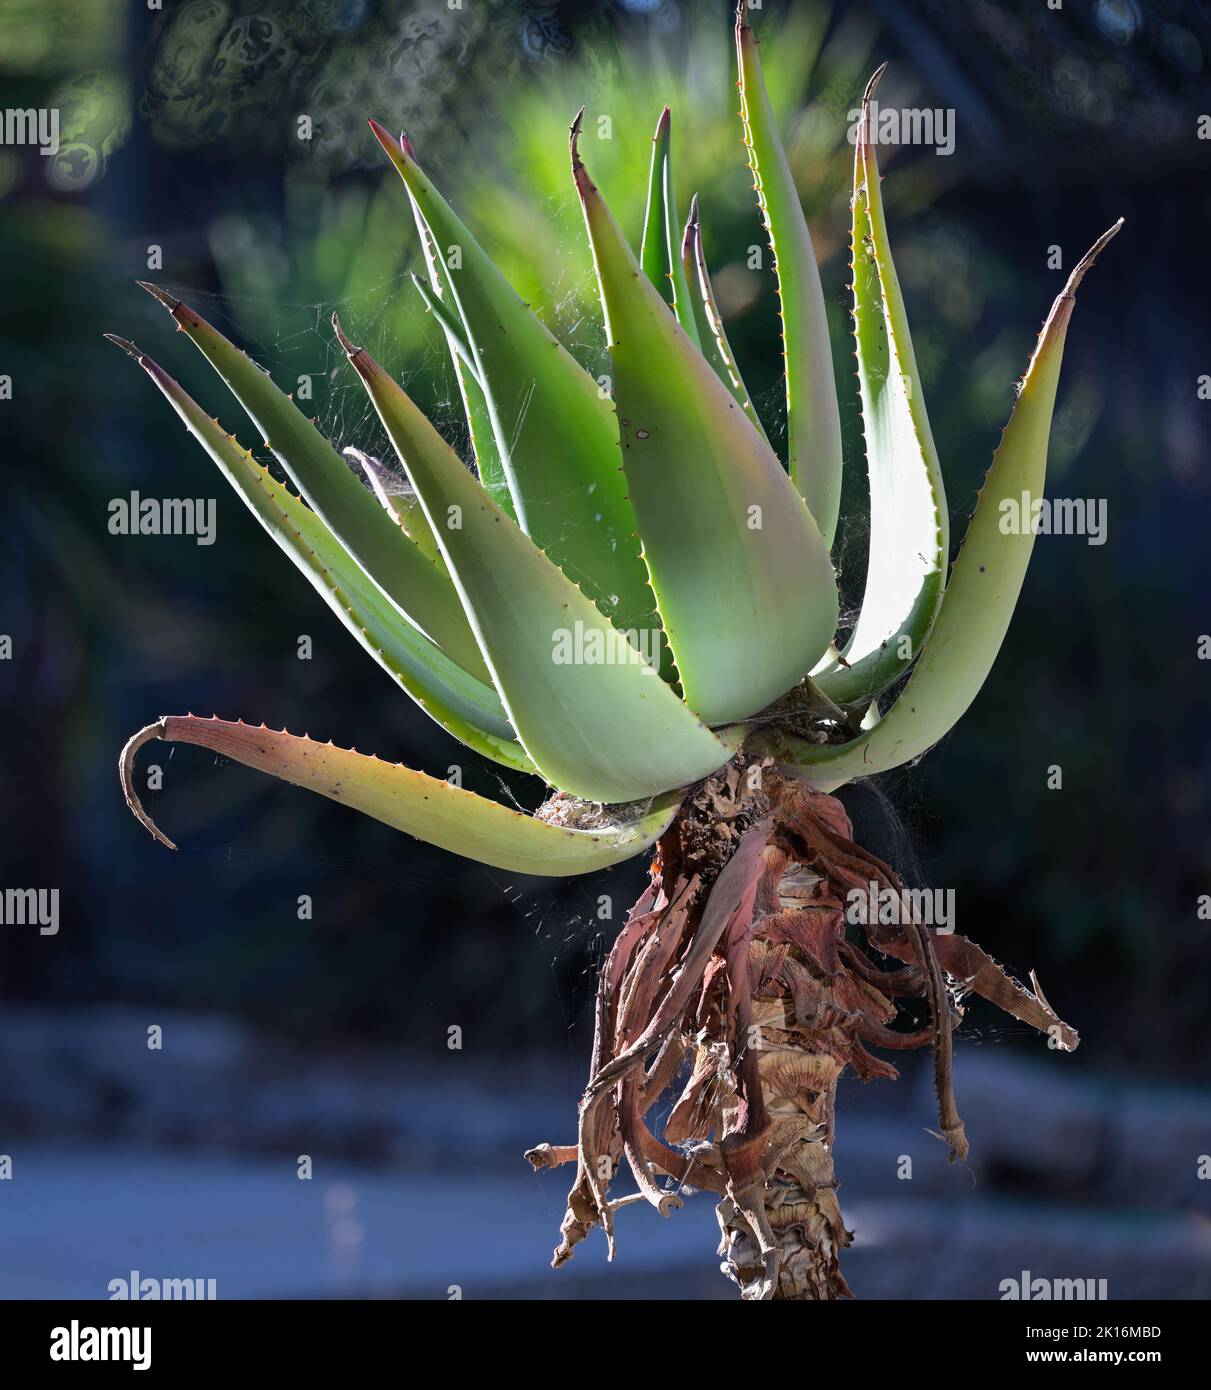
[386, 139]
[126, 769]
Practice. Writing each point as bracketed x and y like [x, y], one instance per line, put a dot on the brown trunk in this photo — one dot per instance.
[799, 1077]
[733, 981]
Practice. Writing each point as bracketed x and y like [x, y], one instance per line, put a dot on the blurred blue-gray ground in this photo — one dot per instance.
[184, 1164]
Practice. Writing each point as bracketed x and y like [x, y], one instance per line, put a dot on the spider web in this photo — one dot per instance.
[291, 337]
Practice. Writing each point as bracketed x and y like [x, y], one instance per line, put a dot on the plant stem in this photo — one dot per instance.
[733, 983]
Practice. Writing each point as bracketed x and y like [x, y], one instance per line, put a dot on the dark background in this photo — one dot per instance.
[329, 1036]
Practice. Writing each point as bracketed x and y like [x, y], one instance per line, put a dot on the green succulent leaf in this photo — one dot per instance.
[422, 594]
[452, 327]
[983, 589]
[661, 232]
[488, 461]
[462, 705]
[909, 523]
[743, 580]
[554, 426]
[483, 440]
[592, 713]
[434, 811]
[813, 421]
[712, 337]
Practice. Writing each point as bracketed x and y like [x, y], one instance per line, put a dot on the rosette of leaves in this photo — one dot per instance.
[632, 598]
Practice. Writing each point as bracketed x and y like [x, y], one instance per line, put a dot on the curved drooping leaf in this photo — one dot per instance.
[909, 523]
[712, 337]
[813, 420]
[743, 581]
[661, 231]
[984, 583]
[554, 426]
[462, 705]
[431, 810]
[423, 595]
[591, 712]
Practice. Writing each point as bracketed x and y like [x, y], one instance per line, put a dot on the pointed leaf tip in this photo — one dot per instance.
[346, 345]
[372, 467]
[169, 301]
[125, 345]
[663, 238]
[1078, 271]
[875, 78]
[402, 504]
[126, 769]
[384, 136]
[574, 140]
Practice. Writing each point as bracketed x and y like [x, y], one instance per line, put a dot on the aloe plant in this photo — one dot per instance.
[632, 598]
